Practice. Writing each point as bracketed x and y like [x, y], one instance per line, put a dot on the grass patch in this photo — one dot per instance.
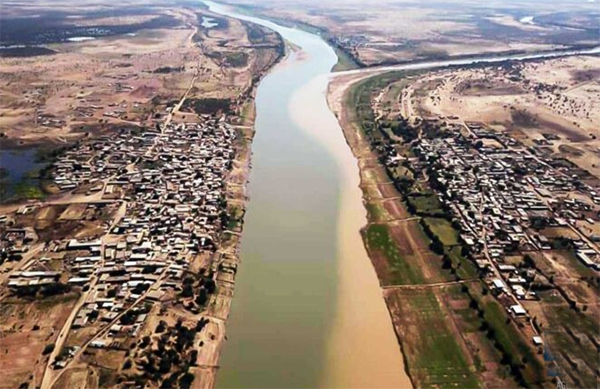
[465, 268]
[345, 61]
[443, 229]
[235, 218]
[29, 191]
[426, 204]
[237, 59]
[435, 356]
[570, 334]
[402, 271]
[511, 341]
[375, 212]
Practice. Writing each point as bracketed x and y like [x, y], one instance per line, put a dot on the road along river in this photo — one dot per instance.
[308, 311]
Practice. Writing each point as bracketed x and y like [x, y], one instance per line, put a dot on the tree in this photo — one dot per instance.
[145, 341]
[164, 366]
[161, 327]
[188, 290]
[210, 285]
[186, 381]
[202, 297]
[48, 348]
[446, 262]
[128, 318]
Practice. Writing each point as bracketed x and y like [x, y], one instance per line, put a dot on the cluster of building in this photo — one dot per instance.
[502, 199]
[171, 182]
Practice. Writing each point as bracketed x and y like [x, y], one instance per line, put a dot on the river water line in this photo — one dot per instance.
[308, 310]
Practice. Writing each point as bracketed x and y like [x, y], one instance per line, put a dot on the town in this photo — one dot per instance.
[502, 197]
[479, 228]
[154, 207]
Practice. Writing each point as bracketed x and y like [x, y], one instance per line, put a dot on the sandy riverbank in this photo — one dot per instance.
[353, 218]
[362, 324]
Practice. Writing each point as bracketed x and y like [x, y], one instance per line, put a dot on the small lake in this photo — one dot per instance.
[14, 167]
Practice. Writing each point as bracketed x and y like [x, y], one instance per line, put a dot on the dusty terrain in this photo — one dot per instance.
[91, 85]
[553, 105]
[374, 32]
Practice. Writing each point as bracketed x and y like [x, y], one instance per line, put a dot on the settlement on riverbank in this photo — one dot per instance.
[124, 274]
[478, 251]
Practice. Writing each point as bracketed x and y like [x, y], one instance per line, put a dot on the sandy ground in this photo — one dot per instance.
[391, 30]
[559, 97]
[90, 85]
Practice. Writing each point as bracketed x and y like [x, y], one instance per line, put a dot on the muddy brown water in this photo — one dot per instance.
[308, 311]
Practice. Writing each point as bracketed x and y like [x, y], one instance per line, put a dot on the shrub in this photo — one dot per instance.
[48, 348]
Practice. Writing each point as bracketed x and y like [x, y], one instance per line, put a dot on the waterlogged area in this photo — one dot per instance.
[308, 310]
[15, 168]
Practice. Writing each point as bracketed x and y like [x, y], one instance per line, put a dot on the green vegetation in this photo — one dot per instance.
[208, 105]
[443, 229]
[465, 269]
[440, 361]
[237, 59]
[436, 356]
[379, 240]
[358, 99]
[256, 34]
[509, 340]
[425, 204]
[48, 348]
[345, 60]
[569, 337]
[233, 218]
[375, 212]
[168, 69]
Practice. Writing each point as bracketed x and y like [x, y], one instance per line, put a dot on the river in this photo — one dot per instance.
[308, 311]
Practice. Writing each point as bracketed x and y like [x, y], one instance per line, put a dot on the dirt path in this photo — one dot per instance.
[428, 286]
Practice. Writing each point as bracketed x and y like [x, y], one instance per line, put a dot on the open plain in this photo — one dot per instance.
[390, 31]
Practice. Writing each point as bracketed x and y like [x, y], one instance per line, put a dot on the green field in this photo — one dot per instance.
[509, 339]
[443, 229]
[345, 61]
[436, 359]
[571, 336]
[465, 268]
[237, 59]
[402, 270]
[375, 212]
[28, 191]
[425, 204]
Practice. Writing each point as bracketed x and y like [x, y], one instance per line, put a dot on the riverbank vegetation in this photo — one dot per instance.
[452, 330]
